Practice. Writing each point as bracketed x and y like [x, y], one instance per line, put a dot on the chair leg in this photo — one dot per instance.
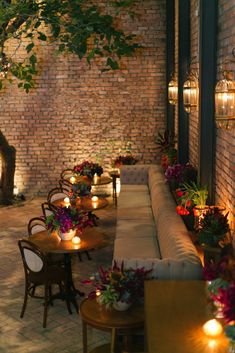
[25, 300]
[46, 292]
[79, 257]
[50, 295]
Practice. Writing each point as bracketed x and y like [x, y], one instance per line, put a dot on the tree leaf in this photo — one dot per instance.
[29, 47]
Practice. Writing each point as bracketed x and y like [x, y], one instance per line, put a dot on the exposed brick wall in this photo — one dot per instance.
[193, 117]
[225, 140]
[78, 113]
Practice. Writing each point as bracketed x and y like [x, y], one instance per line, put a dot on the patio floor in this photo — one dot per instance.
[63, 333]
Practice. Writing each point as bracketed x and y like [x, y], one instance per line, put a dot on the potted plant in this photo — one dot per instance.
[193, 197]
[88, 169]
[166, 144]
[117, 287]
[67, 221]
[214, 234]
[127, 159]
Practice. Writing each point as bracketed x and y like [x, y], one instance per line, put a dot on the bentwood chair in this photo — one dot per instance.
[65, 185]
[36, 225]
[57, 193]
[39, 272]
[48, 209]
[66, 174]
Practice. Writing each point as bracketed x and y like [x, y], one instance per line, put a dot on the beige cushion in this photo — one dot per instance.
[134, 199]
[129, 229]
[134, 188]
[141, 247]
[134, 174]
[135, 213]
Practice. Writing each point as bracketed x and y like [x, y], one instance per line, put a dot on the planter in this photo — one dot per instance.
[189, 221]
[212, 254]
[68, 235]
[121, 306]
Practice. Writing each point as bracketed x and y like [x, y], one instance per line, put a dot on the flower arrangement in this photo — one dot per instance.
[80, 189]
[127, 159]
[221, 289]
[88, 169]
[178, 174]
[214, 228]
[118, 285]
[67, 218]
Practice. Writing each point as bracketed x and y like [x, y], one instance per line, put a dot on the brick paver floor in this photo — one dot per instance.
[63, 333]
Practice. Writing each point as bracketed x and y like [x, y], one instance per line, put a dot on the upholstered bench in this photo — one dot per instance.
[149, 232]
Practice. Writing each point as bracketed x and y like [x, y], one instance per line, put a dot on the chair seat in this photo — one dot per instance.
[53, 274]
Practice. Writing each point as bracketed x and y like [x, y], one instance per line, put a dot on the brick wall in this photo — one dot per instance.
[225, 140]
[77, 112]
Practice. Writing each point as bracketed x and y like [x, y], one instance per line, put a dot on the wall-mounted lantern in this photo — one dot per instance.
[190, 93]
[225, 99]
[225, 103]
[173, 91]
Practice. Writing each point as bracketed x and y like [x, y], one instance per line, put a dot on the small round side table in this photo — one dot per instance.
[99, 317]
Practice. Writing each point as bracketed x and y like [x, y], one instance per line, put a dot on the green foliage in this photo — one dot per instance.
[214, 228]
[108, 297]
[75, 26]
[193, 192]
[166, 141]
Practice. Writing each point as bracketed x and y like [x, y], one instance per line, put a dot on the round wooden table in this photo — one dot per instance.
[85, 203]
[97, 316]
[51, 243]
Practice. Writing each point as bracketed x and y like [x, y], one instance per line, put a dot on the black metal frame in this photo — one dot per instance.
[183, 65]
[170, 61]
[207, 79]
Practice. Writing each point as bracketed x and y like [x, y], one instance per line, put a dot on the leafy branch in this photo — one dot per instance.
[74, 26]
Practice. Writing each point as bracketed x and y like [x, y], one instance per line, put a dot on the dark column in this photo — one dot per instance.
[207, 77]
[170, 60]
[183, 65]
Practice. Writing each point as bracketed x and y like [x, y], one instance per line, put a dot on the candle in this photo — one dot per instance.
[212, 328]
[76, 240]
[72, 180]
[94, 198]
[95, 178]
[97, 292]
[67, 201]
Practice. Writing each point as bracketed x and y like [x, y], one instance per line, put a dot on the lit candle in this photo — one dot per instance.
[72, 180]
[97, 292]
[212, 328]
[95, 178]
[67, 201]
[94, 198]
[76, 240]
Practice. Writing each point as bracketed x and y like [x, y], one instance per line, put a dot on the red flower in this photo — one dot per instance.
[182, 211]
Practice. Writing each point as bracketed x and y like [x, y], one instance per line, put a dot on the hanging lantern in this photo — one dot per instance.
[173, 91]
[190, 93]
[225, 102]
